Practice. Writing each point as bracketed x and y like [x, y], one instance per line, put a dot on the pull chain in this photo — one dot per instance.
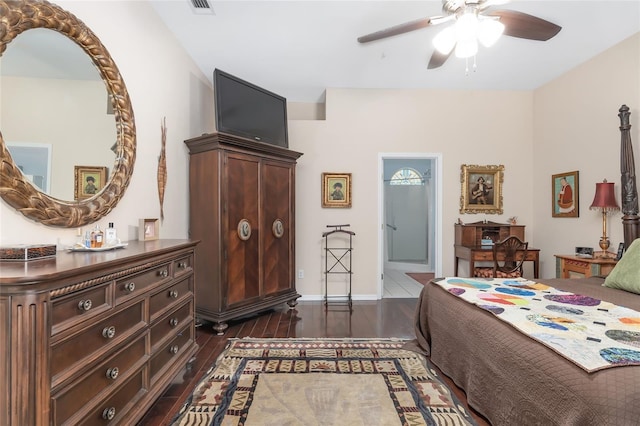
[466, 69]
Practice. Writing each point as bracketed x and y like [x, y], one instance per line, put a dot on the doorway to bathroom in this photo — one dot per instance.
[410, 217]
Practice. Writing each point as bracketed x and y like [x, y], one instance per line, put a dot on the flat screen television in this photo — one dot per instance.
[244, 109]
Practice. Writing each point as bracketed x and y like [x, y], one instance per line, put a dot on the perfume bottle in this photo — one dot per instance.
[97, 237]
[110, 235]
[87, 239]
[79, 238]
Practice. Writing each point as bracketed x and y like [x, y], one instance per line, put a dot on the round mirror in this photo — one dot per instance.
[19, 189]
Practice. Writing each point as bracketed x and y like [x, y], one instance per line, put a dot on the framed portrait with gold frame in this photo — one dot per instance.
[481, 189]
[88, 181]
[336, 190]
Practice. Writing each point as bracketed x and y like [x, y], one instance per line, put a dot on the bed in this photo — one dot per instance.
[510, 378]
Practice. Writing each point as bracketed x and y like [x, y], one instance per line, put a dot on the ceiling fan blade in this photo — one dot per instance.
[398, 29]
[523, 25]
[438, 59]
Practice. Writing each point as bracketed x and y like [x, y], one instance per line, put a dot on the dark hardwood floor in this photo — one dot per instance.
[369, 319]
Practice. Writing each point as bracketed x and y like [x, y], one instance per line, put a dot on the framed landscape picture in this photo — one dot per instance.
[481, 189]
[564, 192]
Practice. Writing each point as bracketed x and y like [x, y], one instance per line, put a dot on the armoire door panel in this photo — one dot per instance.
[243, 251]
[277, 244]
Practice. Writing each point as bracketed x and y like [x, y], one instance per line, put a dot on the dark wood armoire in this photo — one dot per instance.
[242, 209]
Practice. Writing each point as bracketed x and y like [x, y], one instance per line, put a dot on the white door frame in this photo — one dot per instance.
[437, 252]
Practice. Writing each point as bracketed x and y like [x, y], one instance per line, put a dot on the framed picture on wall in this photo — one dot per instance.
[481, 189]
[336, 190]
[564, 193]
[89, 181]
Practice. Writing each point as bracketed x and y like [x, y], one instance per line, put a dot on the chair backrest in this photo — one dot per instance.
[509, 255]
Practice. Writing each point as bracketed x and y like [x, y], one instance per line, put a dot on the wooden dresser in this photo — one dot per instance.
[94, 338]
[242, 209]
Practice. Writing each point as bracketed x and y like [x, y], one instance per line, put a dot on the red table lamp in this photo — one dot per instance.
[605, 200]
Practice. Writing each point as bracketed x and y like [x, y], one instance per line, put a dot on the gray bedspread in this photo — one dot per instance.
[513, 380]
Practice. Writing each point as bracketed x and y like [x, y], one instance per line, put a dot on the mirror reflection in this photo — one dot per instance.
[55, 113]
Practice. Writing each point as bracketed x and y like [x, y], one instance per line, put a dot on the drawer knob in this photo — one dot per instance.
[112, 373]
[130, 286]
[174, 349]
[85, 305]
[109, 413]
[109, 332]
[173, 322]
[163, 273]
[173, 294]
[182, 265]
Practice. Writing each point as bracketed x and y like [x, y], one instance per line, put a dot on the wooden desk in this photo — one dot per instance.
[474, 254]
[569, 266]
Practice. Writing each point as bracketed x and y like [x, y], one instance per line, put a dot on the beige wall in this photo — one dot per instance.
[68, 113]
[570, 124]
[464, 127]
[576, 127]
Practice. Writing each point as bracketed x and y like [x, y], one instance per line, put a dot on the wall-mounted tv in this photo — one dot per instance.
[244, 109]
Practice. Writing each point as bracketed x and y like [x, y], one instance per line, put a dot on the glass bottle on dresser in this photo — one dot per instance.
[97, 237]
[110, 235]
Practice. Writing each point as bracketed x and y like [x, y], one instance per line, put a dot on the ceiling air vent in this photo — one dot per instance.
[201, 7]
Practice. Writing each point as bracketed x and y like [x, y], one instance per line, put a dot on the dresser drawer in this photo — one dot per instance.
[134, 285]
[79, 307]
[168, 325]
[114, 409]
[182, 266]
[101, 336]
[170, 296]
[110, 373]
[170, 352]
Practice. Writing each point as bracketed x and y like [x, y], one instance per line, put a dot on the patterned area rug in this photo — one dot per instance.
[321, 382]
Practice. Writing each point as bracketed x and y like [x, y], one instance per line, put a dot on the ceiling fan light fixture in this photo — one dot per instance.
[466, 48]
[467, 26]
[445, 40]
[489, 31]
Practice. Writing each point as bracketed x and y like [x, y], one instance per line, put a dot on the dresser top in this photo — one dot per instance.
[71, 264]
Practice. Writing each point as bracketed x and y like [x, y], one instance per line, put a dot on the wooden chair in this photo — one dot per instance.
[508, 258]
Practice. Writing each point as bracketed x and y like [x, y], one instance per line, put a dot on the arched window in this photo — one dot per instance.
[406, 176]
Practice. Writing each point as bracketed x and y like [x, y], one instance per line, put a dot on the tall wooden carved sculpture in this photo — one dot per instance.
[630, 218]
[162, 167]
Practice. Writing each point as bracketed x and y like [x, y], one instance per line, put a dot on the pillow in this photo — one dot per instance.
[626, 274]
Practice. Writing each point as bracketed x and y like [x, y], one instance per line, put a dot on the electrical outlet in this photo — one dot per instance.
[300, 273]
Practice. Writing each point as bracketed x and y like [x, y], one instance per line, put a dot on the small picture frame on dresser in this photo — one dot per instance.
[148, 229]
[620, 251]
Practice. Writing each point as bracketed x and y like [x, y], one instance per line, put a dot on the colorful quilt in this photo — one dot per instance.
[592, 333]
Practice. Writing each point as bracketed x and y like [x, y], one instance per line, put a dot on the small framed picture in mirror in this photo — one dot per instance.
[89, 181]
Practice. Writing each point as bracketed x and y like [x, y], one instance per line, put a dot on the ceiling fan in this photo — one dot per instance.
[473, 23]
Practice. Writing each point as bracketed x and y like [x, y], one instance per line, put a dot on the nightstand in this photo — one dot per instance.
[568, 266]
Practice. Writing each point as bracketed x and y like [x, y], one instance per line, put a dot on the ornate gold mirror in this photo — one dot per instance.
[15, 188]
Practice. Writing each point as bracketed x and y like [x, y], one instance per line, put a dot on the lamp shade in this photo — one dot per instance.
[605, 197]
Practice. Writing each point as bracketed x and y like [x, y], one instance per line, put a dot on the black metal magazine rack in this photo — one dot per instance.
[338, 246]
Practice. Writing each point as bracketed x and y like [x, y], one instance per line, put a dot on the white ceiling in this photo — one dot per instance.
[299, 48]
